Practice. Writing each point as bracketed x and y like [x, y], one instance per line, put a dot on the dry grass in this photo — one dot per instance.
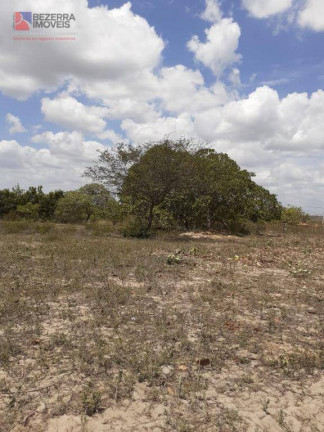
[212, 333]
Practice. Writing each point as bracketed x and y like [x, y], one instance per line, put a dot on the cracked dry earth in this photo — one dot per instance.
[110, 334]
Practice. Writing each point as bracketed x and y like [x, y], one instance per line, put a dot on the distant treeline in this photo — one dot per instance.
[163, 185]
[78, 206]
[32, 203]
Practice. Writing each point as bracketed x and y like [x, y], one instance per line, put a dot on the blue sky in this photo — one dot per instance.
[292, 54]
[244, 76]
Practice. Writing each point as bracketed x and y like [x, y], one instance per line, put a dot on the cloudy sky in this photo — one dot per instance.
[245, 76]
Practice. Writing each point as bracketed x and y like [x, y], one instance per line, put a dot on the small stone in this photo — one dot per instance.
[42, 408]
[183, 368]
[167, 370]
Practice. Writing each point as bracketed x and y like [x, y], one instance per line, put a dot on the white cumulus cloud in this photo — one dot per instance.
[183, 90]
[266, 8]
[219, 50]
[69, 145]
[173, 127]
[291, 124]
[60, 163]
[112, 44]
[212, 12]
[279, 139]
[66, 111]
[14, 123]
[312, 15]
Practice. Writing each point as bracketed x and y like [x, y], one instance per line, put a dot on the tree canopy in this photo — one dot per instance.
[195, 186]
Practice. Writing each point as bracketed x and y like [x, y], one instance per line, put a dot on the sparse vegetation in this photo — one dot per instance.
[92, 322]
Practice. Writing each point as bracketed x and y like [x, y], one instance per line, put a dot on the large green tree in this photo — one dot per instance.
[216, 191]
[195, 186]
[157, 173]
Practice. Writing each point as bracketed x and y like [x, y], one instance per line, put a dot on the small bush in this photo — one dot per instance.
[294, 215]
[91, 401]
[136, 228]
[173, 259]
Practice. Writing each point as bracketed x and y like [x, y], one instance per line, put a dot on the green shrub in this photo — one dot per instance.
[173, 259]
[28, 211]
[74, 207]
[91, 401]
[164, 220]
[136, 228]
[294, 215]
